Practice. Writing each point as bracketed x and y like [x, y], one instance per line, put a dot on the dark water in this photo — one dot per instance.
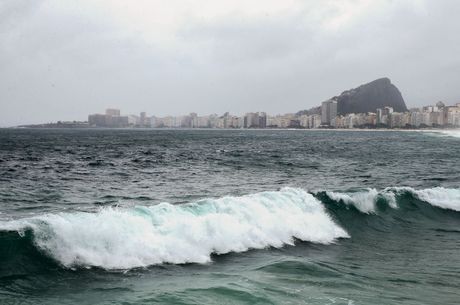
[229, 217]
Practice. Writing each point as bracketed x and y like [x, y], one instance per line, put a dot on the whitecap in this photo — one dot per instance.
[117, 238]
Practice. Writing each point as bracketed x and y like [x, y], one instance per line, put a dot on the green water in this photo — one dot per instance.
[229, 217]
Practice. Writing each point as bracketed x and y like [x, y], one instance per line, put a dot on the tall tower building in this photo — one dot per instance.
[379, 115]
[328, 111]
[143, 119]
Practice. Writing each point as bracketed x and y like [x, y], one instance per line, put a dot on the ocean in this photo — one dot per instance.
[96, 216]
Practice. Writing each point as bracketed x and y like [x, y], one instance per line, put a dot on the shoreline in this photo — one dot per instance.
[240, 129]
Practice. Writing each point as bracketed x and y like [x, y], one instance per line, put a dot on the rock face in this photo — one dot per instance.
[367, 98]
[314, 110]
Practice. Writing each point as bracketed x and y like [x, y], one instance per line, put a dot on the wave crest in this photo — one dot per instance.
[116, 238]
[440, 197]
[365, 200]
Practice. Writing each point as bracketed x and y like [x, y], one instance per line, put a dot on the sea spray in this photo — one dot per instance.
[117, 238]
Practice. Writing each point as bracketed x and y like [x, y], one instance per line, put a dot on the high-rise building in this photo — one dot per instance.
[396, 120]
[112, 112]
[387, 110]
[251, 120]
[262, 120]
[143, 119]
[97, 120]
[133, 120]
[108, 120]
[379, 115]
[383, 115]
[328, 111]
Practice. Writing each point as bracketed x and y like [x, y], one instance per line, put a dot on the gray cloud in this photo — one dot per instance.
[65, 63]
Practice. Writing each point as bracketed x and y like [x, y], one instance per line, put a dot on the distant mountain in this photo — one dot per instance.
[368, 97]
[311, 111]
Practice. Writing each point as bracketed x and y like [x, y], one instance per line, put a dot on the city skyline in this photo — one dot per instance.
[437, 115]
[178, 113]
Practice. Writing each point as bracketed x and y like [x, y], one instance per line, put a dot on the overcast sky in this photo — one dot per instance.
[64, 59]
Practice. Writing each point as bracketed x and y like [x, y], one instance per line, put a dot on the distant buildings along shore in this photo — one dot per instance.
[438, 115]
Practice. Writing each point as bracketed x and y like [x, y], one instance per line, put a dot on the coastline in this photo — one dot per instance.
[241, 129]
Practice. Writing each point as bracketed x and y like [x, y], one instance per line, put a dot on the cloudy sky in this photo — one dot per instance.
[64, 59]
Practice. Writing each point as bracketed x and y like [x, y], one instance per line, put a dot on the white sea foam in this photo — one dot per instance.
[444, 132]
[440, 197]
[365, 200]
[116, 238]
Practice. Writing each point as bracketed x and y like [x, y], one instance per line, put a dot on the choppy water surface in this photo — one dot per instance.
[229, 217]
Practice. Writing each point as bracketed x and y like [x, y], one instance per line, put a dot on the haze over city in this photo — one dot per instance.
[64, 59]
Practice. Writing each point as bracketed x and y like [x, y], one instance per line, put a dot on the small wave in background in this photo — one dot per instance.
[455, 133]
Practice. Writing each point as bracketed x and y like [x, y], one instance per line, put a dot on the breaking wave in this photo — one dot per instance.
[366, 200]
[124, 238]
[117, 238]
[439, 196]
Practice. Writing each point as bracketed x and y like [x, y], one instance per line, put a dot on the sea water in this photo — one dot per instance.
[229, 217]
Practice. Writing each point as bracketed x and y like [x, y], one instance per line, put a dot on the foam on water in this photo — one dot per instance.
[365, 201]
[439, 196]
[116, 238]
[449, 132]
